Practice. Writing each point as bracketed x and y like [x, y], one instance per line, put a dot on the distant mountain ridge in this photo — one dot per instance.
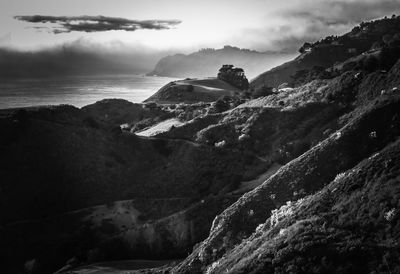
[209, 60]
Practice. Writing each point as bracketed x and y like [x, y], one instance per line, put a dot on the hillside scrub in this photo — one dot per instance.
[351, 225]
[304, 175]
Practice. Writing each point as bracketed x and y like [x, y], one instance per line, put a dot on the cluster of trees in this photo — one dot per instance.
[389, 48]
[364, 25]
[307, 46]
[233, 76]
[207, 50]
[365, 32]
[387, 41]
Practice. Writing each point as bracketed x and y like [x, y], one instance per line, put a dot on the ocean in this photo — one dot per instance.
[77, 90]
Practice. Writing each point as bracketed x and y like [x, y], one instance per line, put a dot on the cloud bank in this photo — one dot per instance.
[65, 24]
[79, 57]
[310, 20]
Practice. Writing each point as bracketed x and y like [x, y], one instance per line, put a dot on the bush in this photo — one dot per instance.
[307, 75]
[222, 104]
[262, 91]
[370, 63]
[143, 124]
[306, 46]
[388, 57]
[189, 88]
[91, 122]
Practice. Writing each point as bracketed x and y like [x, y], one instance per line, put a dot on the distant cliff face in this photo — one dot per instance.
[206, 61]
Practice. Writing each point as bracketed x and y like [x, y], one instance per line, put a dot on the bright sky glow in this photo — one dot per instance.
[257, 24]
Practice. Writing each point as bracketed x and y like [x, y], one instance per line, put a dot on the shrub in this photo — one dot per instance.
[339, 177]
[370, 63]
[388, 57]
[306, 47]
[222, 104]
[90, 121]
[220, 144]
[280, 213]
[284, 211]
[389, 216]
[262, 91]
[189, 88]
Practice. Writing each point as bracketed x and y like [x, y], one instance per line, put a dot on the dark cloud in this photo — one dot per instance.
[64, 24]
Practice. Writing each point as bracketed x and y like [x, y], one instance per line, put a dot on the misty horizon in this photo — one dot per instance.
[133, 37]
[178, 27]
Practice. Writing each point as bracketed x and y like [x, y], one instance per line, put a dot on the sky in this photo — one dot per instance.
[182, 25]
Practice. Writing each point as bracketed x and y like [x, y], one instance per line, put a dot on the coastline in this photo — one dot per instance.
[78, 91]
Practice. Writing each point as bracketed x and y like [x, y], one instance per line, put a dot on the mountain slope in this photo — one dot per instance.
[306, 174]
[351, 225]
[331, 50]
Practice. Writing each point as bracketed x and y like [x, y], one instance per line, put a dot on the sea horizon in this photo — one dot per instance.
[78, 90]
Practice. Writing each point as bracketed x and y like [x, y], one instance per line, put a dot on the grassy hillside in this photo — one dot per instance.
[193, 91]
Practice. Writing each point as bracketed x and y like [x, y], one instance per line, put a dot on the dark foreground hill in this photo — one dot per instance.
[56, 160]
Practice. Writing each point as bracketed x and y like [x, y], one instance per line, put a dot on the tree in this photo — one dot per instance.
[387, 38]
[233, 76]
[222, 104]
[370, 63]
[377, 45]
[306, 47]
